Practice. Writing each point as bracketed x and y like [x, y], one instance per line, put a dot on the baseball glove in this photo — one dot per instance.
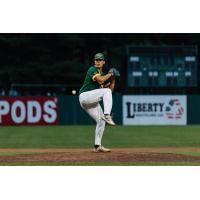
[114, 71]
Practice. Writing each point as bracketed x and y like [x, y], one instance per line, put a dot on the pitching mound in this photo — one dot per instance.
[86, 155]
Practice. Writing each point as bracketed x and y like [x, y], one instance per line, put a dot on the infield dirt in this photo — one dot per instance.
[122, 155]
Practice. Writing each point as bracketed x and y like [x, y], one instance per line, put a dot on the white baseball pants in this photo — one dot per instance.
[89, 101]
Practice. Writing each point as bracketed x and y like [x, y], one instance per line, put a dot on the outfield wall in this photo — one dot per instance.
[193, 108]
[154, 110]
[28, 111]
[70, 111]
[127, 110]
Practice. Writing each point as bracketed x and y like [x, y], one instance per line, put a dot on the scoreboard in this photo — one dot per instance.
[162, 66]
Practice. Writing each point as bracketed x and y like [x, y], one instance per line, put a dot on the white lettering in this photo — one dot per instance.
[4, 109]
[51, 115]
[34, 117]
[18, 105]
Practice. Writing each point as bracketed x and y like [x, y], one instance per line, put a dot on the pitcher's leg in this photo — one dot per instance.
[96, 113]
[99, 132]
[94, 96]
[91, 98]
[107, 101]
[100, 126]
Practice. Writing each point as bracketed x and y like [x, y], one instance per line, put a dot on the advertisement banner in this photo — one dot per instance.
[154, 110]
[28, 111]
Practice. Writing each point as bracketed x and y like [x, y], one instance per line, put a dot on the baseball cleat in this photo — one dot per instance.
[101, 149]
[108, 119]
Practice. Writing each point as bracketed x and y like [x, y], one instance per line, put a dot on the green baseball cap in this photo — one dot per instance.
[99, 56]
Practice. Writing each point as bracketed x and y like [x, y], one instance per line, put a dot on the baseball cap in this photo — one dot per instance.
[99, 56]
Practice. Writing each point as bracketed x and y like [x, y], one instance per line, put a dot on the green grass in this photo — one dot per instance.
[114, 137]
[190, 153]
[18, 153]
[83, 136]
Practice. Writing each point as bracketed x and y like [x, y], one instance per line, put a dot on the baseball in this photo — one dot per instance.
[73, 92]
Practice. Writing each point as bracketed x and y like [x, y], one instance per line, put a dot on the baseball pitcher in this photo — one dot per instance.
[98, 87]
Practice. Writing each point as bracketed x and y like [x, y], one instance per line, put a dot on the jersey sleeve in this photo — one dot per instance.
[93, 72]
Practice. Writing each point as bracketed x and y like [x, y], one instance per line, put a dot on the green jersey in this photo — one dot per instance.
[90, 83]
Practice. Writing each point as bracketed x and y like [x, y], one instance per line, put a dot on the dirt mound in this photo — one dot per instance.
[86, 155]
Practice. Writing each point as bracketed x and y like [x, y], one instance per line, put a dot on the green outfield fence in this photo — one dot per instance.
[180, 109]
[193, 109]
[70, 112]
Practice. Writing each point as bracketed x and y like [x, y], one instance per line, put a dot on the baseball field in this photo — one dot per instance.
[72, 145]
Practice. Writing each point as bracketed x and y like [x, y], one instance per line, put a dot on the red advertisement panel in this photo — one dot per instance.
[28, 111]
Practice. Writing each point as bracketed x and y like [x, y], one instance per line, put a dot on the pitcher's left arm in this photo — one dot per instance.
[112, 83]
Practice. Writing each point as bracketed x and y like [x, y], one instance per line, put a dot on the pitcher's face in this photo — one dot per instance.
[99, 63]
